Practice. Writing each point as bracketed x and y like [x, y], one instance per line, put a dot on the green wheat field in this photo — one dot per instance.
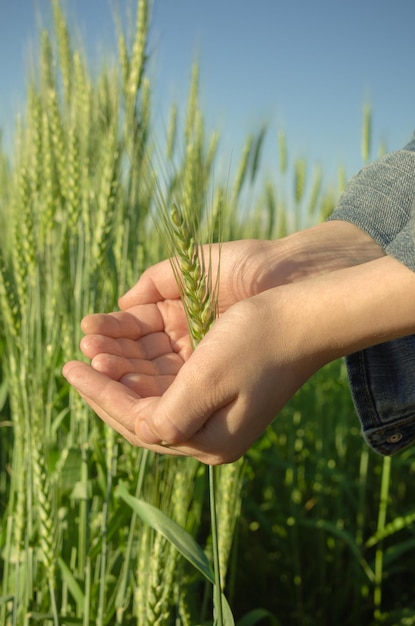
[314, 529]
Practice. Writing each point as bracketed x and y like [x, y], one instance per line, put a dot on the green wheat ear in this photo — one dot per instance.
[199, 295]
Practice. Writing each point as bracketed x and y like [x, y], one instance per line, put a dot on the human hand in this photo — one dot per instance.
[212, 404]
[251, 266]
[139, 352]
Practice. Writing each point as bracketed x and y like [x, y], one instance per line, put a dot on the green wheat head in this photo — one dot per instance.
[190, 272]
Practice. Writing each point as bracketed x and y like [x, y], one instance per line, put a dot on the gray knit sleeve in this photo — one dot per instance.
[380, 200]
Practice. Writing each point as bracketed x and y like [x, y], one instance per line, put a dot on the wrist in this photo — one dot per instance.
[324, 248]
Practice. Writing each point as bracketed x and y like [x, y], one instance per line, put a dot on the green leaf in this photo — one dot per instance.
[227, 616]
[73, 586]
[180, 538]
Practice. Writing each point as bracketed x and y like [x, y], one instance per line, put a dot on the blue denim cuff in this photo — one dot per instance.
[382, 382]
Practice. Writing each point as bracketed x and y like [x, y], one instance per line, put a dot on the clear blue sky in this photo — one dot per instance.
[303, 66]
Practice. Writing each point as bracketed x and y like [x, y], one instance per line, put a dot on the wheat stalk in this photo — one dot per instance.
[199, 297]
[229, 505]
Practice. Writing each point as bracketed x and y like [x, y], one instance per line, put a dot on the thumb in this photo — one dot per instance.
[198, 391]
[155, 284]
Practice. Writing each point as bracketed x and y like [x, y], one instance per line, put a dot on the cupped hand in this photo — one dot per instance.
[225, 392]
[235, 382]
[146, 383]
[137, 352]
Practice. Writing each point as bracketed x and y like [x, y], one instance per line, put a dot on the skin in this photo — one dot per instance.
[287, 308]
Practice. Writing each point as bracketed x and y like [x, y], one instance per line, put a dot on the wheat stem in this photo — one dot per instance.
[218, 617]
[199, 301]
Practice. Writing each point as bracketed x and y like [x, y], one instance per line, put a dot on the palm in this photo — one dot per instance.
[143, 347]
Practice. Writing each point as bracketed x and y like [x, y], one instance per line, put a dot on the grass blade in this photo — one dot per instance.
[73, 586]
[180, 538]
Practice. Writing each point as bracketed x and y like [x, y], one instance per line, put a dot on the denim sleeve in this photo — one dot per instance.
[382, 382]
[380, 200]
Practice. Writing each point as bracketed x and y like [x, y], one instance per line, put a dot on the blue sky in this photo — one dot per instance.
[303, 66]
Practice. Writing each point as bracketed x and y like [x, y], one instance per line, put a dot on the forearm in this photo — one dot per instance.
[351, 309]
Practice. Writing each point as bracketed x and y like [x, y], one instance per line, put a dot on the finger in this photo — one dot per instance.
[113, 402]
[230, 431]
[221, 440]
[128, 436]
[146, 318]
[158, 283]
[116, 367]
[200, 389]
[115, 398]
[155, 284]
[148, 347]
[227, 435]
[147, 386]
